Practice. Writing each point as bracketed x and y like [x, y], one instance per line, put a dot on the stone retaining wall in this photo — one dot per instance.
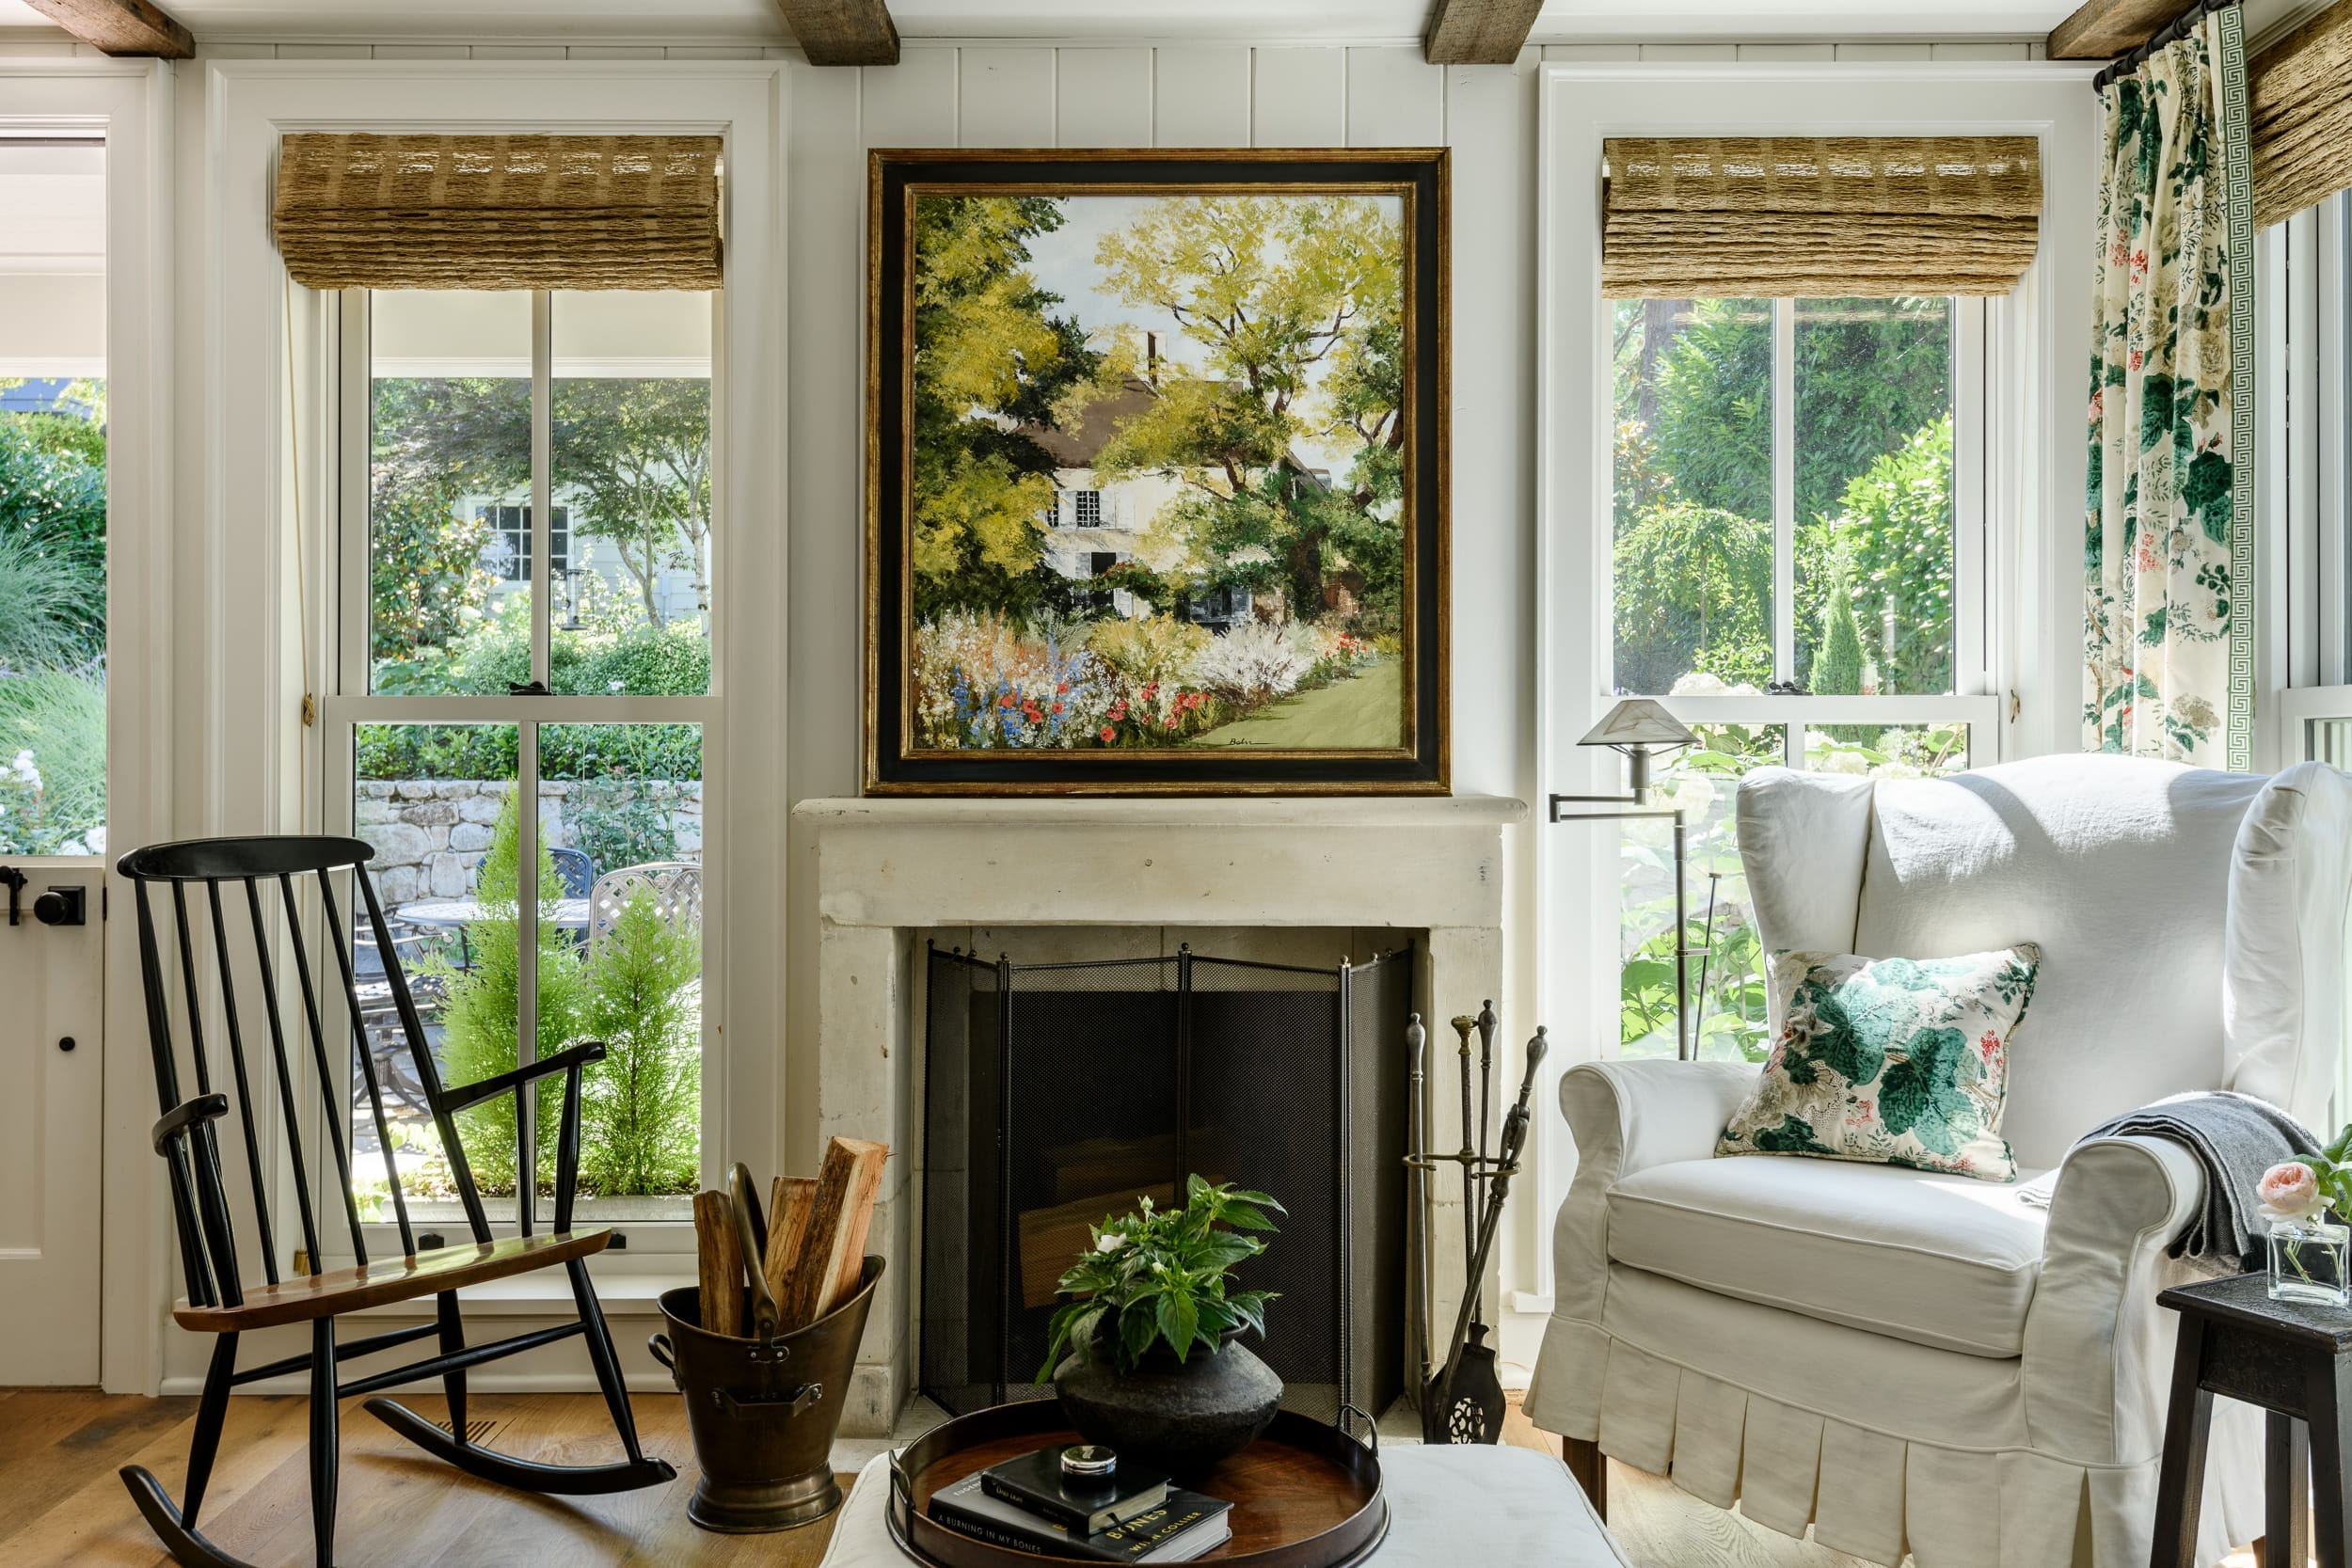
[429, 835]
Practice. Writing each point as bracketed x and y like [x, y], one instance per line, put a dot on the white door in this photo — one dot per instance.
[52, 1024]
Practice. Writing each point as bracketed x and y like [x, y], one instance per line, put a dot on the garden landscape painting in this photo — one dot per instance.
[1156, 498]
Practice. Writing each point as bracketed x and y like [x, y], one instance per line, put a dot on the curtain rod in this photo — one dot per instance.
[2171, 33]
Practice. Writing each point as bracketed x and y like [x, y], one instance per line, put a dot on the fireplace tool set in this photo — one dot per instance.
[1461, 1400]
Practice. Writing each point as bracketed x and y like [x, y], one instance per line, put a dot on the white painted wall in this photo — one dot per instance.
[1172, 96]
[236, 765]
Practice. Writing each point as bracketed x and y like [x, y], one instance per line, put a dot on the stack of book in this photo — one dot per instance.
[1132, 1514]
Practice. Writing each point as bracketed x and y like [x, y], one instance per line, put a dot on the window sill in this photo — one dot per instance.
[546, 1292]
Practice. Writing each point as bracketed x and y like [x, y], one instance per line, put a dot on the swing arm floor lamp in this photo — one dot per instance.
[1643, 728]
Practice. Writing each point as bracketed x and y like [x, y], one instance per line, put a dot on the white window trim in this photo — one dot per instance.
[2030, 509]
[238, 512]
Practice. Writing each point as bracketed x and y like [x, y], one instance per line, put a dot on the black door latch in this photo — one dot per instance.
[59, 905]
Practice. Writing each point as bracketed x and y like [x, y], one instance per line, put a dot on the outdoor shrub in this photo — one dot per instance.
[39, 593]
[566, 752]
[53, 524]
[1895, 523]
[1693, 591]
[481, 1017]
[642, 1103]
[1252, 664]
[641, 661]
[621, 821]
[53, 763]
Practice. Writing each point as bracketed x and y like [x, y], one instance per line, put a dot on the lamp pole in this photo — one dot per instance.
[1637, 806]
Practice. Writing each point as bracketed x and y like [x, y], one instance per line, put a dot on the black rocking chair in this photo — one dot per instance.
[258, 874]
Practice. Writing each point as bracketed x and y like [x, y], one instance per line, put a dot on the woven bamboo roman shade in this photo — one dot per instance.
[2299, 101]
[1764, 216]
[402, 212]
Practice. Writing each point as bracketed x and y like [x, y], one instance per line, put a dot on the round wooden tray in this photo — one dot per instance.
[1304, 1495]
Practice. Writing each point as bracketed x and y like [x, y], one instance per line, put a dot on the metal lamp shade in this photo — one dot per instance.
[1639, 722]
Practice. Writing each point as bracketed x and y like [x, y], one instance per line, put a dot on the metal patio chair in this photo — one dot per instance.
[259, 880]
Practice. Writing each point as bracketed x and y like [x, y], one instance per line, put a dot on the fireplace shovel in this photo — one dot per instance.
[763, 1410]
[1463, 1403]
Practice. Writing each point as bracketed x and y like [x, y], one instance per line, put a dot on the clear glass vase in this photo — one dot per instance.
[2311, 1259]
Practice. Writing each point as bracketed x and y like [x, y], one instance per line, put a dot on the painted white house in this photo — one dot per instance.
[1095, 525]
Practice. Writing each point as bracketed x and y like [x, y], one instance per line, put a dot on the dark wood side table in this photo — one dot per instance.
[2293, 1359]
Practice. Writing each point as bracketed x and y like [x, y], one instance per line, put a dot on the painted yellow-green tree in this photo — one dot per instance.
[1294, 307]
[990, 355]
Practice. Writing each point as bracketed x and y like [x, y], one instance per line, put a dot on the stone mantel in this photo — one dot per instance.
[889, 869]
[1361, 860]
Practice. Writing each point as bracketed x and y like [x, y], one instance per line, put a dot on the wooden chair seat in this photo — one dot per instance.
[337, 1291]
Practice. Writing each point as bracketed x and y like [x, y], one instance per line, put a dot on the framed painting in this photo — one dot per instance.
[1156, 472]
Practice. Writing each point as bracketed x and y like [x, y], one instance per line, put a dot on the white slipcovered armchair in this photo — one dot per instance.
[1914, 1362]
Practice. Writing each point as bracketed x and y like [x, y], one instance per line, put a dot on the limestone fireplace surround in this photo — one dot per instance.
[888, 869]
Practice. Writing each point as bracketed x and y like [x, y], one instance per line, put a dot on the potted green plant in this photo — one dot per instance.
[1155, 1368]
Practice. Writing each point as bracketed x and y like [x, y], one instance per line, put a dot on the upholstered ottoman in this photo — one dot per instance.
[1458, 1507]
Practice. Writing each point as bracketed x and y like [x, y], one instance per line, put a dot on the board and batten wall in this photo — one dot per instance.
[1193, 96]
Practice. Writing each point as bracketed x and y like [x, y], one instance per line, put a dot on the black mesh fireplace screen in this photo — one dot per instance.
[1058, 1094]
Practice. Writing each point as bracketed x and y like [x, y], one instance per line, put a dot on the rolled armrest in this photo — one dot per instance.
[2096, 1345]
[1627, 1116]
[570, 1058]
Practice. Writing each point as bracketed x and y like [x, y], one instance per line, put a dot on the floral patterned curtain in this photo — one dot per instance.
[2168, 553]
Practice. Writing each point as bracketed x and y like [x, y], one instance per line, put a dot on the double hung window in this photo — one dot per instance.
[524, 718]
[1798, 570]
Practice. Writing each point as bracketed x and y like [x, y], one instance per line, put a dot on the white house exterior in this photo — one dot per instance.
[506, 556]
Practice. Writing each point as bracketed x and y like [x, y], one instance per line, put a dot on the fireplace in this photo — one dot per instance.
[1067, 878]
[1056, 1094]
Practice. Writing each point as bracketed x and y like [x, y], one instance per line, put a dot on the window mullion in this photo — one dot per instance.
[2333, 365]
[542, 507]
[527, 751]
[1972, 551]
[1784, 490]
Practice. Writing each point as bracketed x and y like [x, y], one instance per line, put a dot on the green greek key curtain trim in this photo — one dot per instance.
[2169, 548]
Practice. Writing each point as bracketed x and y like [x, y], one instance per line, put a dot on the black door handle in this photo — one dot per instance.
[15, 880]
[62, 906]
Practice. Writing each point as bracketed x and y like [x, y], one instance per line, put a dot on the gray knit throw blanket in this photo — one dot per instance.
[2235, 1137]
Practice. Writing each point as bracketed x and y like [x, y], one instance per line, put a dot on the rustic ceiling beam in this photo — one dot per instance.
[121, 26]
[2101, 29]
[1478, 32]
[843, 32]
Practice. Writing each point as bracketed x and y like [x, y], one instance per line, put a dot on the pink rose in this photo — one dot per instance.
[2290, 1189]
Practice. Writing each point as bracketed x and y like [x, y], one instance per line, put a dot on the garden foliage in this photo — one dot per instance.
[640, 995]
[53, 627]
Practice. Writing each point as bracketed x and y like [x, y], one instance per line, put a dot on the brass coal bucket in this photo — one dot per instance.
[764, 1412]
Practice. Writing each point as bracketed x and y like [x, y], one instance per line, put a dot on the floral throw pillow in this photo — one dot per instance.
[1890, 1061]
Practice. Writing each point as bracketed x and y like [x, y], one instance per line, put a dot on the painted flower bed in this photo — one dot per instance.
[982, 682]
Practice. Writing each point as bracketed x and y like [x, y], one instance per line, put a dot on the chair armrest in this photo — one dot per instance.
[570, 1058]
[2096, 1343]
[204, 1107]
[1629, 1116]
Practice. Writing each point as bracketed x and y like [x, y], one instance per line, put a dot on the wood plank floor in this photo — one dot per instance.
[61, 1502]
